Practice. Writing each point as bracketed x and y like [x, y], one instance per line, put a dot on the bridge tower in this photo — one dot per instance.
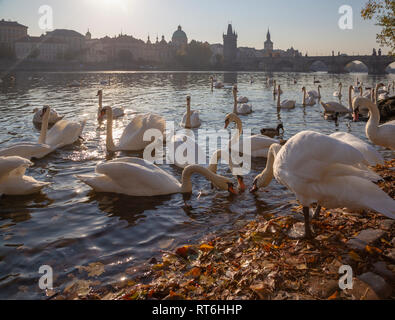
[230, 46]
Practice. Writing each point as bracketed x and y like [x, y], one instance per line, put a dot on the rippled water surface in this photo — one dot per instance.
[68, 225]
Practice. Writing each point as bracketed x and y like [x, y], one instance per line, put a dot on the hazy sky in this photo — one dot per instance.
[307, 25]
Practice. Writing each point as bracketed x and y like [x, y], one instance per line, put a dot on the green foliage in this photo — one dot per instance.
[383, 12]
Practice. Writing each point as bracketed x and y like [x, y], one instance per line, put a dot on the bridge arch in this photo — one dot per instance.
[356, 66]
[318, 65]
[390, 67]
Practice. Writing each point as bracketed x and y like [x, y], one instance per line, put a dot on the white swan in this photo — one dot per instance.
[117, 112]
[315, 94]
[213, 166]
[338, 93]
[336, 107]
[285, 104]
[191, 118]
[323, 170]
[259, 144]
[243, 100]
[31, 150]
[62, 134]
[381, 135]
[185, 150]
[139, 178]
[53, 117]
[132, 138]
[13, 180]
[307, 100]
[240, 109]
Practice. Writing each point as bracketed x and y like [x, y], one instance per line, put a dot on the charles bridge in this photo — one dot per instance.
[376, 64]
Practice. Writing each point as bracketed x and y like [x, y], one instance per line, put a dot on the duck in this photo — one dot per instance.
[132, 138]
[117, 112]
[240, 109]
[338, 93]
[31, 150]
[336, 107]
[322, 170]
[259, 143]
[316, 81]
[13, 181]
[307, 100]
[285, 104]
[191, 118]
[53, 117]
[272, 132]
[381, 135]
[139, 178]
[62, 134]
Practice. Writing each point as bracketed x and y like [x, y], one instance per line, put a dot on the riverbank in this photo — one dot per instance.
[258, 260]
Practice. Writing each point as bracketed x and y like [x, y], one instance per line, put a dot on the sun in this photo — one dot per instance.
[108, 4]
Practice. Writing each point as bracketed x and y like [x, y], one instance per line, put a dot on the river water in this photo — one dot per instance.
[69, 226]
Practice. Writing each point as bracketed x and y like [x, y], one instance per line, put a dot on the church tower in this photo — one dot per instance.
[230, 46]
[268, 43]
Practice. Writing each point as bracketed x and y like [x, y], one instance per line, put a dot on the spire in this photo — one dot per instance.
[268, 35]
[230, 31]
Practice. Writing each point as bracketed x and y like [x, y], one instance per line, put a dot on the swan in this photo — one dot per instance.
[309, 100]
[191, 118]
[186, 151]
[62, 134]
[132, 138]
[31, 150]
[316, 81]
[371, 155]
[380, 135]
[286, 104]
[13, 181]
[275, 90]
[53, 117]
[259, 144]
[338, 93]
[315, 94]
[336, 107]
[271, 132]
[326, 171]
[117, 112]
[213, 166]
[140, 178]
[242, 109]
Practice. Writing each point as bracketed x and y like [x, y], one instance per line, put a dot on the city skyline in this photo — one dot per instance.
[303, 26]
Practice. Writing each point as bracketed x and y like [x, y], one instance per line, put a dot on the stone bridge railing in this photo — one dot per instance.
[335, 64]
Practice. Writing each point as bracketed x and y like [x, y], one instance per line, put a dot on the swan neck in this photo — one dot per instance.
[109, 140]
[44, 127]
[279, 99]
[350, 98]
[235, 103]
[267, 174]
[186, 183]
[188, 118]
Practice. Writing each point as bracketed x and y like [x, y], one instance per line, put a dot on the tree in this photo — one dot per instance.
[383, 11]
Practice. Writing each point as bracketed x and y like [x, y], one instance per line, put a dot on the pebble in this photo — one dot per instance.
[381, 269]
[366, 237]
[377, 283]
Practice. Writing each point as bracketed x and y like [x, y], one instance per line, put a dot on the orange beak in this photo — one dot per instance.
[242, 186]
[232, 190]
[254, 187]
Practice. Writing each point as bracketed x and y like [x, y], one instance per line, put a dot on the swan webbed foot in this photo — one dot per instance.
[308, 233]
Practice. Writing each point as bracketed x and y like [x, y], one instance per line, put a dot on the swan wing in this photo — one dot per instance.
[386, 132]
[64, 133]
[13, 165]
[132, 138]
[371, 154]
[26, 150]
[333, 106]
[139, 178]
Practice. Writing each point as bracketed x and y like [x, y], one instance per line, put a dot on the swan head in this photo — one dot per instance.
[44, 110]
[225, 184]
[102, 112]
[230, 118]
[188, 99]
[303, 89]
[357, 103]
[280, 127]
[99, 93]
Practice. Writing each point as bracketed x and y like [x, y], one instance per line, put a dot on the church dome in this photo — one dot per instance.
[179, 37]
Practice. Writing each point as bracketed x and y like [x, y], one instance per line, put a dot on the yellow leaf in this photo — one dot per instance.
[355, 256]
[206, 247]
